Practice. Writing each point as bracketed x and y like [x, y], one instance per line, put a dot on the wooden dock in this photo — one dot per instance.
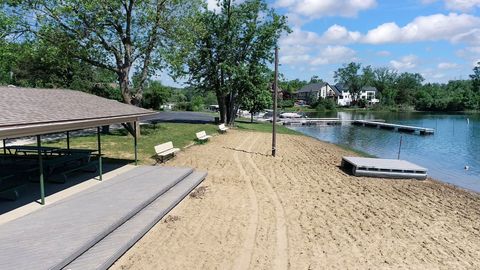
[399, 128]
[317, 121]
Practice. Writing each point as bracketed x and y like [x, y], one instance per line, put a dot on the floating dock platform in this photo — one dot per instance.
[399, 128]
[384, 168]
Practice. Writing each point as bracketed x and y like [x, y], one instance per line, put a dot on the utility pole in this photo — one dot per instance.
[275, 94]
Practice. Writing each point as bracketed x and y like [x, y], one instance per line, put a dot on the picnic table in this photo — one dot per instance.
[25, 149]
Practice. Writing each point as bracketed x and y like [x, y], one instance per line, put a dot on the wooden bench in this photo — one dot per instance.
[202, 136]
[165, 149]
[222, 128]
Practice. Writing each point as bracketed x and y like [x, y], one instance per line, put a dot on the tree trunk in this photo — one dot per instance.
[222, 108]
[251, 117]
[124, 81]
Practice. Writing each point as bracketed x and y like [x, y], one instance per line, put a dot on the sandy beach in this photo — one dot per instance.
[301, 211]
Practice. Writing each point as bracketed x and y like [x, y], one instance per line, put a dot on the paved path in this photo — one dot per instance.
[181, 117]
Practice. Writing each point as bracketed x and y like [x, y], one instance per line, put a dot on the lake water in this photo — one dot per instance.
[455, 144]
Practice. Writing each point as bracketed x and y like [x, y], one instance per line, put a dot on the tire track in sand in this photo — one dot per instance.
[245, 256]
[281, 260]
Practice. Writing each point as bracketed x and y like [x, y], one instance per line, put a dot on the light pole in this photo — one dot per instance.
[275, 94]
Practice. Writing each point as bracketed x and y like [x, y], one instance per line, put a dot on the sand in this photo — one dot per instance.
[301, 211]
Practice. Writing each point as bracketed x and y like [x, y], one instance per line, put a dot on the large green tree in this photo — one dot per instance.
[122, 36]
[230, 51]
[349, 75]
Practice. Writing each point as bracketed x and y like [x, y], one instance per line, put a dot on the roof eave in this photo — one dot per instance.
[42, 129]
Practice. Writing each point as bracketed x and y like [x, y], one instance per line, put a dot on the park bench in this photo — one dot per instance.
[165, 149]
[222, 128]
[202, 136]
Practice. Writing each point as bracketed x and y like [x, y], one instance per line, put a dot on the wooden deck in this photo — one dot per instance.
[56, 235]
[385, 168]
[400, 128]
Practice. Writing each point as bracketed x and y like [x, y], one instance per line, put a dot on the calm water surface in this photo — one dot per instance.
[456, 142]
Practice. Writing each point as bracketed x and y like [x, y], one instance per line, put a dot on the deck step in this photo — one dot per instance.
[103, 254]
[55, 235]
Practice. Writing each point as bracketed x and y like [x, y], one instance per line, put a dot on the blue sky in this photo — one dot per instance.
[439, 39]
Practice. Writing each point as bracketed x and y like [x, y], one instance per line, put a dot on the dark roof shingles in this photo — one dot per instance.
[22, 106]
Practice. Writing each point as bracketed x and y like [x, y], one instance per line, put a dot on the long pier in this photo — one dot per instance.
[317, 121]
[399, 128]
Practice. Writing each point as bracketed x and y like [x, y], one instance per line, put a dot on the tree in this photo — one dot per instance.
[231, 50]
[156, 95]
[475, 77]
[315, 79]
[349, 76]
[257, 100]
[119, 36]
[407, 84]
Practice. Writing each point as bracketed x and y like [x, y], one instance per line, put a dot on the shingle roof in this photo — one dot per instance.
[23, 107]
[314, 87]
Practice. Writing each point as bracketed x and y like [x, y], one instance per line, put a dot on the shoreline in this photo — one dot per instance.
[365, 154]
[300, 210]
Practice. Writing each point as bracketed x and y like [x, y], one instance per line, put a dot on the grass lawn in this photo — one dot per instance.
[263, 127]
[119, 144]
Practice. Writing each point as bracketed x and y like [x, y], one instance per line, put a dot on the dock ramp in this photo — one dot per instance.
[384, 168]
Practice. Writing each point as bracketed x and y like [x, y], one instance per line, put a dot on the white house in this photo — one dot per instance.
[369, 93]
[343, 96]
[338, 92]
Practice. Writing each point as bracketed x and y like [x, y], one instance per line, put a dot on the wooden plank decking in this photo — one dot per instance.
[400, 128]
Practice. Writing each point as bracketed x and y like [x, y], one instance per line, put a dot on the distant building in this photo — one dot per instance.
[311, 92]
[369, 93]
[168, 106]
[341, 94]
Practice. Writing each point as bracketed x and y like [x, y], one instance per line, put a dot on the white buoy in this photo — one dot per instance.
[467, 167]
[468, 121]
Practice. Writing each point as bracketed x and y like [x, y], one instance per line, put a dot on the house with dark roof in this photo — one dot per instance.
[343, 95]
[314, 91]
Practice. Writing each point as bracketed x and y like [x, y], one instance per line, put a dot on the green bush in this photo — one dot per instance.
[325, 105]
[288, 103]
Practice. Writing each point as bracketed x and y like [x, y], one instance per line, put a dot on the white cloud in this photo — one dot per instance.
[424, 28]
[471, 37]
[334, 55]
[306, 48]
[406, 62]
[325, 8]
[459, 5]
[447, 65]
[462, 5]
[340, 35]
